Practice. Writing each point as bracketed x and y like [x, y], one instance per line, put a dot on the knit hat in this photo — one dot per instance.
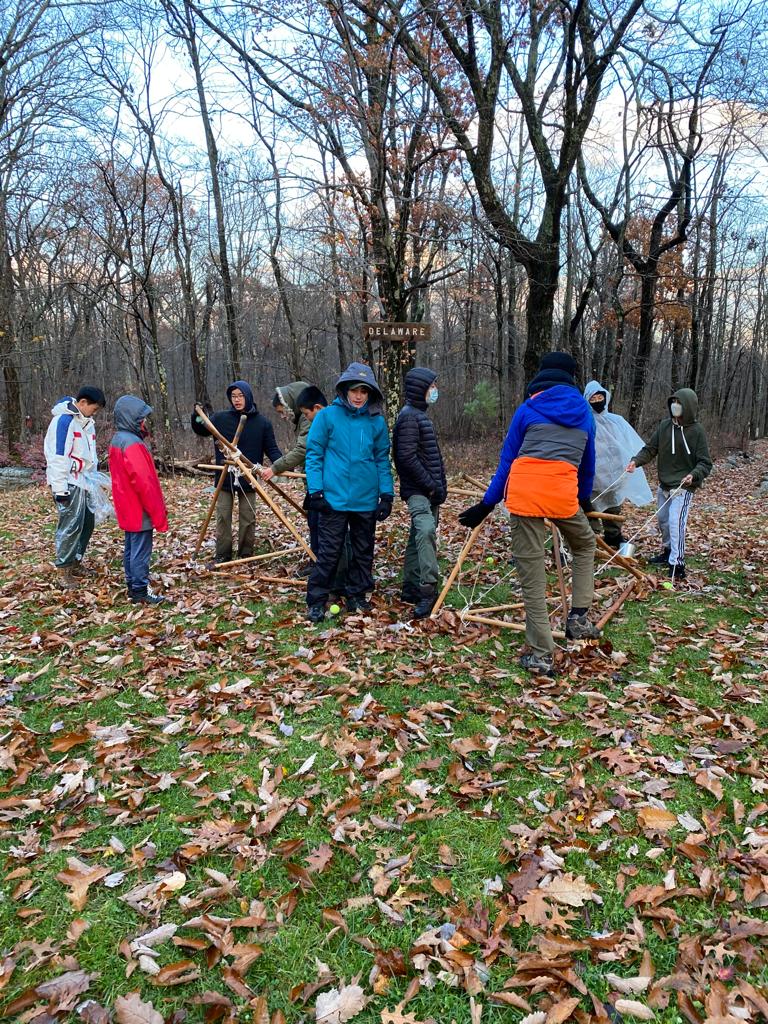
[555, 368]
[92, 394]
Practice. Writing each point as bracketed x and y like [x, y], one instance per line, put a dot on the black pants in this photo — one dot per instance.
[331, 534]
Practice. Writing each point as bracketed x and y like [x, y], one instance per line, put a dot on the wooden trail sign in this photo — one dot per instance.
[404, 332]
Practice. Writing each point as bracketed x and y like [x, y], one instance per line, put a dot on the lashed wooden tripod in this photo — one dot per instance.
[235, 458]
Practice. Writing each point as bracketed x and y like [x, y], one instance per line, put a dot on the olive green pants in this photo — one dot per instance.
[421, 568]
[529, 535]
[246, 515]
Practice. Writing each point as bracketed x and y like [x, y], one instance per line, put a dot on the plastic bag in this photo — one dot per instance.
[97, 489]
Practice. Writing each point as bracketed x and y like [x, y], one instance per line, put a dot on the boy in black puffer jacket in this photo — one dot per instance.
[423, 486]
[256, 441]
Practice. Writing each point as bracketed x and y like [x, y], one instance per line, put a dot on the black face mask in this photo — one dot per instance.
[598, 406]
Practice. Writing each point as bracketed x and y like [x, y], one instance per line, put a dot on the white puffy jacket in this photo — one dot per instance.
[70, 447]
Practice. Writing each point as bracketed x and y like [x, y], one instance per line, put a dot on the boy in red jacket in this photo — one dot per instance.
[136, 494]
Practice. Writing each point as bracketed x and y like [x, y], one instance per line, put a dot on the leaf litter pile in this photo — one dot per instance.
[211, 811]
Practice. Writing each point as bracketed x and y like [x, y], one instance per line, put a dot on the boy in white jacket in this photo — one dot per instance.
[70, 454]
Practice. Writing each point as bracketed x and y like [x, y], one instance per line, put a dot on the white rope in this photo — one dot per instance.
[642, 528]
[609, 487]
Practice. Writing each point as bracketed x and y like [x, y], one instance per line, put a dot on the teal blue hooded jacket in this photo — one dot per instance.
[348, 449]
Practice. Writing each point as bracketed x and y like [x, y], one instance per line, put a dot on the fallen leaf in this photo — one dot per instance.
[631, 1008]
[132, 1009]
[339, 1005]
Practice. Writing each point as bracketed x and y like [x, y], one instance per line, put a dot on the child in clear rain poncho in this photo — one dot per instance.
[615, 442]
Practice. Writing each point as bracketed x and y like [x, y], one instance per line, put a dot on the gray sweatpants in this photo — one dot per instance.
[74, 528]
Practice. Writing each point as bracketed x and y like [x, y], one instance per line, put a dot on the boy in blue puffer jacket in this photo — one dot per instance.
[349, 482]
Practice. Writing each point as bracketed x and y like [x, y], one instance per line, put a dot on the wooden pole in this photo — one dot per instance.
[468, 545]
[256, 558]
[285, 581]
[559, 567]
[242, 465]
[607, 515]
[610, 612]
[606, 549]
[475, 483]
[516, 627]
[200, 537]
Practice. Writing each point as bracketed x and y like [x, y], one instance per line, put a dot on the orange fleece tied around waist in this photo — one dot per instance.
[542, 487]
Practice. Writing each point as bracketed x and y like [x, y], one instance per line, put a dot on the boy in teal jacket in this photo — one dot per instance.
[349, 482]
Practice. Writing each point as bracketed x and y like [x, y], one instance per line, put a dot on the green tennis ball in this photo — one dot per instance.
[490, 560]
[334, 609]
[667, 585]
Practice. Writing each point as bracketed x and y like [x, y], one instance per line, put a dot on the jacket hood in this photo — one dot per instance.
[245, 387]
[66, 405]
[287, 394]
[592, 389]
[562, 404]
[129, 412]
[417, 382]
[360, 373]
[690, 403]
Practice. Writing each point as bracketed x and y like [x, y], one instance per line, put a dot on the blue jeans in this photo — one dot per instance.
[136, 555]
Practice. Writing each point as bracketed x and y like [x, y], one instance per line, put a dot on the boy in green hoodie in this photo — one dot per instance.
[680, 445]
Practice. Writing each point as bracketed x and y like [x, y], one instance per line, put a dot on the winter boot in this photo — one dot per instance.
[316, 612]
[358, 604]
[410, 594]
[677, 571]
[662, 558]
[427, 598]
[67, 577]
[147, 596]
[538, 664]
[578, 627]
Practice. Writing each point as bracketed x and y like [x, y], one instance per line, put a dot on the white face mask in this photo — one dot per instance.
[432, 395]
[676, 409]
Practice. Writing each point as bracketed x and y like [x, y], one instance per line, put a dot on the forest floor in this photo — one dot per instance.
[212, 811]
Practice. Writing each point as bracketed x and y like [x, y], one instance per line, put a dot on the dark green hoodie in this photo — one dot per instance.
[681, 447]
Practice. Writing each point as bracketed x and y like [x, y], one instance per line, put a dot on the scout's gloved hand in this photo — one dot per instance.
[384, 508]
[62, 499]
[586, 506]
[316, 503]
[475, 514]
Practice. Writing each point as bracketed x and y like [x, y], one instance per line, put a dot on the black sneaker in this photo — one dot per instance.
[358, 604]
[305, 569]
[315, 612]
[662, 558]
[538, 664]
[677, 571]
[578, 627]
[145, 597]
[427, 598]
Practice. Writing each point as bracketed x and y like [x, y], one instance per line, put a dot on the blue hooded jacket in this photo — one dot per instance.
[348, 448]
[550, 442]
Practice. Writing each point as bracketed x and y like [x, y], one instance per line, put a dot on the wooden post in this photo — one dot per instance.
[242, 465]
[468, 545]
[200, 537]
[559, 567]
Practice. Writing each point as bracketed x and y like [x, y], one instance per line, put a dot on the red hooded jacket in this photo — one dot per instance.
[136, 493]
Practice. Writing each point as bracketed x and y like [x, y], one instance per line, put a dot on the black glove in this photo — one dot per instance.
[384, 508]
[586, 506]
[475, 514]
[62, 499]
[316, 503]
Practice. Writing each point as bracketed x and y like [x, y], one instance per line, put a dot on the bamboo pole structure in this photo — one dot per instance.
[256, 558]
[223, 476]
[468, 545]
[241, 463]
[252, 465]
[607, 615]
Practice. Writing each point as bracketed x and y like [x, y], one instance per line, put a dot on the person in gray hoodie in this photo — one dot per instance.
[679, 444]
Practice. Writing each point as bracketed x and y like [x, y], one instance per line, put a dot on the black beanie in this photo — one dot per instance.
[555, 368]
[92, 394]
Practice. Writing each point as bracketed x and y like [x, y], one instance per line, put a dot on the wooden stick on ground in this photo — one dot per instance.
[285, 581]
[241, 464]
[607, 515]
[256, 558]
[200, 537]
[475, 483]
[625, 563]
[516, 627]
[611, 611]
[468, 545]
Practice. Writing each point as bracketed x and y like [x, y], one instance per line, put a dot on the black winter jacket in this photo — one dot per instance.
[256, 440]
[416, 452]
